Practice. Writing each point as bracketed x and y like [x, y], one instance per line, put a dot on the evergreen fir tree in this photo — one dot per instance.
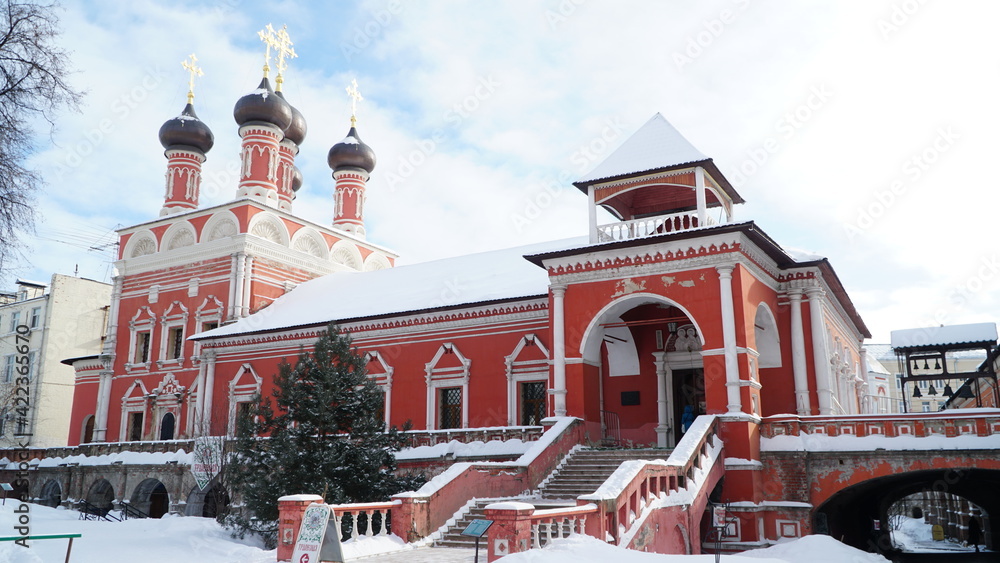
[323, 435]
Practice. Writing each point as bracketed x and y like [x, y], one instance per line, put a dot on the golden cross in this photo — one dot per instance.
[192, 71]
[284, 48]
[355, 96]
[270, 38]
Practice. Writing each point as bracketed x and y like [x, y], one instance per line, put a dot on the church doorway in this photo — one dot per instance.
[649, 352]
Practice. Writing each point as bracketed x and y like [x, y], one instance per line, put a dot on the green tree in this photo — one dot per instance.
[323, 435]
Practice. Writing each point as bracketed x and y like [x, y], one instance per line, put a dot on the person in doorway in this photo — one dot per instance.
[687, 418]
[975, 532]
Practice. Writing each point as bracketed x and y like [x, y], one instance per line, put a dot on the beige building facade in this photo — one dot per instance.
[42, 324]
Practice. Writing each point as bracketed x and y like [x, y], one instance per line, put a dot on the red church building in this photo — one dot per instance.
[673, 307]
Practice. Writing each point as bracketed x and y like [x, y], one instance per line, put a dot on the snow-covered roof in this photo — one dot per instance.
[875, 366]
[944, 335]
[473, 278]
[656, 145]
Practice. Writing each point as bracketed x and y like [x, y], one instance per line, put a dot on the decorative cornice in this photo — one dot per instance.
[392, 326]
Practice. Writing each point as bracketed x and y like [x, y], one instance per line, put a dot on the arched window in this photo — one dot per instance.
[167, 427]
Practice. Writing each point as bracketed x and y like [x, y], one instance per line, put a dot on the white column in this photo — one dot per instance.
[111, 335]
[664, 404]
[699, 192]
[199, 410]
[558, 350]
[821, 360]
[465, 403]
[592, 197]
[236, 286]
[729, 337]
[511, 393]
[247, 277]
[430, 400]
[209, 359]
[799, 371]
[103, 400]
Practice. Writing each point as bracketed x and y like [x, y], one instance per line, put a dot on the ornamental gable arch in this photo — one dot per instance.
[346, 254]
[179, 235]
[376, 261]
[221, 225]
[139, 244]
[310, 241]
[268, 226]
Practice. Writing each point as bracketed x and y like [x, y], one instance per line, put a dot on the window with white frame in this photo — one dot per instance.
[381, 372]
[450, 370]
[36, 317]
[15, 320]
[243, 388]
[172, 335]
[141, 354]
[141, 329]
[527, 381]
[207, 316]
[175, 342]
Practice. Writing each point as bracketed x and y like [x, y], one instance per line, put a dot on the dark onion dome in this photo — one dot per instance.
[263, 105]
[187, 130]
[296, 132]
[352, 152]
[296, 178]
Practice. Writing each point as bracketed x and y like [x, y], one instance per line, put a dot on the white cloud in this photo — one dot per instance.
[533, 85]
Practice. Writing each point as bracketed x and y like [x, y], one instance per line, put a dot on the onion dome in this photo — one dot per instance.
[296, 132]
[187, 130]
[296, 178]
[352, 152]
[263, 105]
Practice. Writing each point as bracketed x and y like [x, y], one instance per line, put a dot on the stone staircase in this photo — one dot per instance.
[587, 469]
[583, 472]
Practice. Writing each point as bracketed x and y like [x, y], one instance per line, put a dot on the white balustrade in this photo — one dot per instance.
[662, 224]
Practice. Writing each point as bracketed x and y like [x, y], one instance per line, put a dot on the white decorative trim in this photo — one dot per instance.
[524, 371]
[437, 378]
[241, 392]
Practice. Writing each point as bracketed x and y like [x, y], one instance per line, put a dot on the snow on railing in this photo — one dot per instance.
[377, 517]
[556, 523]
[638, 228]
[948, 424]
[636, 485]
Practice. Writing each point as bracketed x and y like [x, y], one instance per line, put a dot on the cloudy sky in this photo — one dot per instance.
[858, 130]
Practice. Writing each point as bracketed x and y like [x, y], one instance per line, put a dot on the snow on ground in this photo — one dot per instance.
[914, 535]
[584, 549]
[166, 540]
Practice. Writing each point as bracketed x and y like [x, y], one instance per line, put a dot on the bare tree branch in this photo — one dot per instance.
[33, 83]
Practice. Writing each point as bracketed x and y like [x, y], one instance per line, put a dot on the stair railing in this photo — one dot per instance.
[92, 512]
[129, 511]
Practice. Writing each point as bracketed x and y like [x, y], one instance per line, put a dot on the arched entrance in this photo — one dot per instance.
[51, 494]
[101, 495]
[860, 515]
[151, 497]
[648, 349]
